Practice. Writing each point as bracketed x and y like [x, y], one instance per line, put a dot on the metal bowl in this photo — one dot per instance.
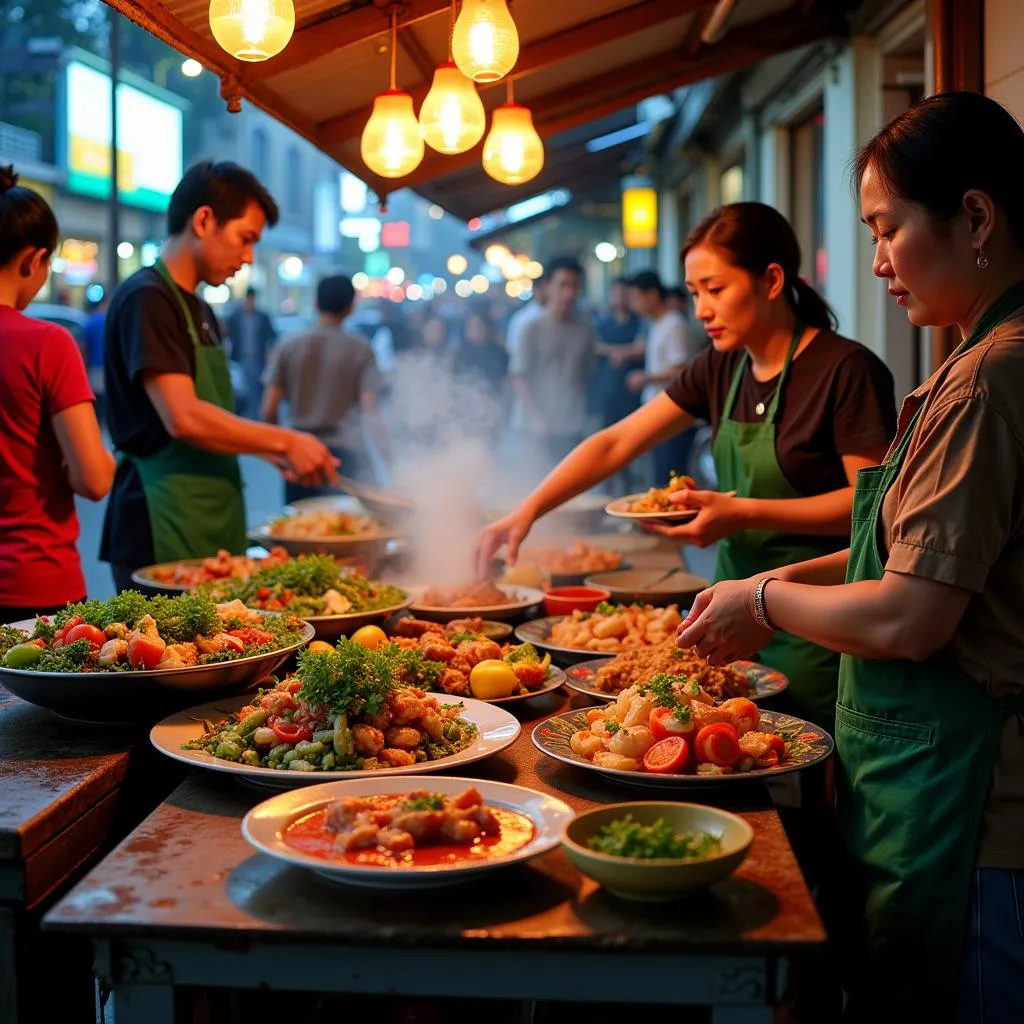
[120, 697]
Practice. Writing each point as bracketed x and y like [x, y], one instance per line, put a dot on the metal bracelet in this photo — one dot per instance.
[759, 610]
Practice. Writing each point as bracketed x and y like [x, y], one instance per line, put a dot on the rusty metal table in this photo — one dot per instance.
[184, 901]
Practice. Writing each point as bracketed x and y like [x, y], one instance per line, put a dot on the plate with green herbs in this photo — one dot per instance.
[334, 600]
[345, 713]
[133, 657]
[657, 851]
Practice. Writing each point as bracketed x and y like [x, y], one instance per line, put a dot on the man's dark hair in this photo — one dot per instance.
[250, 292]
[676, 292]
[623, 281]
[648, 281]
[335, 295]
[569, 263]
[224, 187]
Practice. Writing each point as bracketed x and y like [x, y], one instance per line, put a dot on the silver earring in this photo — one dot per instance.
[982, 259]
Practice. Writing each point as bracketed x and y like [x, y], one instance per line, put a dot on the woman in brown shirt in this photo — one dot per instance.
[930, 718]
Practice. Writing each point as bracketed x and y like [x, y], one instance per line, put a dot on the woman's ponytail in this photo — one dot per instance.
[810, 308]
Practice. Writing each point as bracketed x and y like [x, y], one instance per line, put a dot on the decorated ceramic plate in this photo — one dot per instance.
[807, 745]
[521, 600]
[289, 827]
[620, 509]
[496, 730]
[764, 681]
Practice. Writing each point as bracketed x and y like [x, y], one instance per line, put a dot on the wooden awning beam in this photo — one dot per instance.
[542, 54]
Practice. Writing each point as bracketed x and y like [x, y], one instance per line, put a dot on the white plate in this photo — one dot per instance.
[496, 730]
[525, 598]
[265, 824]
[620, 510]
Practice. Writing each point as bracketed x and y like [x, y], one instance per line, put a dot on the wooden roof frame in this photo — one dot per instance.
[803, 23]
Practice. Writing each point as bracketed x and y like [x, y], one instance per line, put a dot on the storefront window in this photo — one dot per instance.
[807, 200]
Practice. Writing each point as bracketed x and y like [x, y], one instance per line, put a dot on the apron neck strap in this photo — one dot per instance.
[190, 323]
[737, 380]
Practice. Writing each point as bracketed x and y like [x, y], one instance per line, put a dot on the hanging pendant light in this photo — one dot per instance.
[252, 30]
[391, 145]
[485, 43]
[513, 151]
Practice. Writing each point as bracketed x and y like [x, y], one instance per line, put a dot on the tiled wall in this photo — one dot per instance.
[1004, 53]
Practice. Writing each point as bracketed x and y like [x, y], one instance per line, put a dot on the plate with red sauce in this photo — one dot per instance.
[429, 833]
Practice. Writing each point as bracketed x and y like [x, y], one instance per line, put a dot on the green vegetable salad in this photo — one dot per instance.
[628, 838]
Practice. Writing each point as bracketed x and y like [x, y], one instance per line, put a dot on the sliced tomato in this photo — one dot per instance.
[777, 745]
[62, 633]
[291, 732]
[667, 756]
[251, 637]
[83, 631]
[263, 593]
[718, 744]
[663, 723]
[144, 651]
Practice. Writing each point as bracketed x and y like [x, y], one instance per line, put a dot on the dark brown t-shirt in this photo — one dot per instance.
[838, 400]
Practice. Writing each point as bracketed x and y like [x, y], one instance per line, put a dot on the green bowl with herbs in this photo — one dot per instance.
[655, 850]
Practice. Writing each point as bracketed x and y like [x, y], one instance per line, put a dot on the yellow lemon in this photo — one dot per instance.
[321, 647]
[370, 636]
[492, 679]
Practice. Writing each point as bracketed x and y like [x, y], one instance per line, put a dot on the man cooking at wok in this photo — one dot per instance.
[178, 489]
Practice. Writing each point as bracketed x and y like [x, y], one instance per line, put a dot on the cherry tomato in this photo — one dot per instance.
[62, 633]
[251, 637]
[667, 756]
[83, 631]
[291, 732]
[777, 745]
[743, 713]
[144, 652]
[263, 593]
[663, 723]
[718, 744]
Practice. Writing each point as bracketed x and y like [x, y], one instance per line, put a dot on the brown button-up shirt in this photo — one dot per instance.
[955, 514]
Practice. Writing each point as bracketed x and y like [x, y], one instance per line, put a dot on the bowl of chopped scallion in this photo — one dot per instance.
[657, 850]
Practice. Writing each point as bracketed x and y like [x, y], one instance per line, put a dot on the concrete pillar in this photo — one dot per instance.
[668, 236]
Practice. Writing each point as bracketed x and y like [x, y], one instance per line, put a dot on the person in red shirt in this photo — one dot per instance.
[50, 442]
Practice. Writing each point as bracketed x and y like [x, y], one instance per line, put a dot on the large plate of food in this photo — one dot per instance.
[485, 599]
[190, 573]
[334, 600]
[132, 657]
[468, 663]
[326, 531]
[609, 629]
[606, 678]
[345, 713]
[655, 503]
[670, 732]
[392, 834]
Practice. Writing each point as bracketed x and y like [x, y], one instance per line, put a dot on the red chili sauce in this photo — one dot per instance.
[308, 835]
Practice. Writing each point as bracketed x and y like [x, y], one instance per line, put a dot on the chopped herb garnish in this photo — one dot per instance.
[628, 838]
[430, 802]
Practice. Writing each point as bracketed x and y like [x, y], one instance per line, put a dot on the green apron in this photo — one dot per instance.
[746, 462]
[194, 497]
[917, 744]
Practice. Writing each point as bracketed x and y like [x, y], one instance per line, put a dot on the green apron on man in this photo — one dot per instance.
[917, 744]
[746, 462]
[193, 496]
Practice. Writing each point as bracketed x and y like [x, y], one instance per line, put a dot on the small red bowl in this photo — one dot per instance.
[566, 600]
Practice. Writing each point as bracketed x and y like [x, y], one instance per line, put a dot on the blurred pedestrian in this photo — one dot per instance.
[329, 380]
[250, 337]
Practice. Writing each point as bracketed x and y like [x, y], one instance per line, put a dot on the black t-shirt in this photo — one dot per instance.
[838, 399]
[145, 330]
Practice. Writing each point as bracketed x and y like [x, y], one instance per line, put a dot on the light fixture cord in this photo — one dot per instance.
[509, 95]
[394, 45]
[451, 29]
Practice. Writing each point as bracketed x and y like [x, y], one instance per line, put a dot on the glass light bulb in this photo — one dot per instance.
[252, 30]
[485, 42]
[513, 151]
[452, 118]
[391, 145]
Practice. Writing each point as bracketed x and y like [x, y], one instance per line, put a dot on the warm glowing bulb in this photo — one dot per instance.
[452, 117]
[252, 30]
[479, 283]
[391, 145]
[485, 43]
[513, 151]
[496, 254]
[533, 270]
[457, 263]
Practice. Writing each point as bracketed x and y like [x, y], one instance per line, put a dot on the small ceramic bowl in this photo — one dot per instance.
[637, 879]
[566, 600]
[649, 586]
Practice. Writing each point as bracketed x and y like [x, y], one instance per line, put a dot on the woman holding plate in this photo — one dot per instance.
[796, 409]
[930, 733]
